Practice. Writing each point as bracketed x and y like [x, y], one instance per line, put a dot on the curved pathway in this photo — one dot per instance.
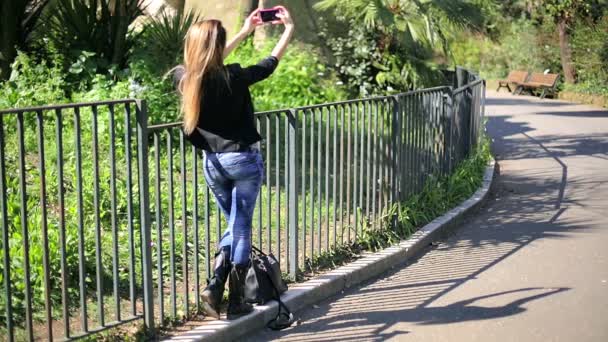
[532, 265]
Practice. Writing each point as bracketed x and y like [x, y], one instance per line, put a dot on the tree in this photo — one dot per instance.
[406, 33]
[426, 22]
[18, 18]
[564, 13]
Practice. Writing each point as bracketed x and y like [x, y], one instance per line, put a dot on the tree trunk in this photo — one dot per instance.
[248, 7]
[261, 32]
[566, 51]
[9, 36]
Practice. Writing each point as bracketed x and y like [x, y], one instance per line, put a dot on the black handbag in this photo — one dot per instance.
[263, 283]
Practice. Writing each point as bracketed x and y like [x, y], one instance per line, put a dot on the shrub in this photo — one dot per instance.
[300, 79]
[103, 27]
[32, 83]
[163, 36]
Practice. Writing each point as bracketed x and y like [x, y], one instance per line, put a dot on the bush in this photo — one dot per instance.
[372, 62]
[300, 79]
[162, 39]
[33, 83]
[523, 46]
[103, 27]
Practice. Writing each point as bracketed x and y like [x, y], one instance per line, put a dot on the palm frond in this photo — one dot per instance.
[457, 12]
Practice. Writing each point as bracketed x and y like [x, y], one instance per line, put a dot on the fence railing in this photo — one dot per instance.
[109, 220]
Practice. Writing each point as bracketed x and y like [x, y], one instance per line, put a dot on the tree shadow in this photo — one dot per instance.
[525, 101]
[523, 207]
[579, 114]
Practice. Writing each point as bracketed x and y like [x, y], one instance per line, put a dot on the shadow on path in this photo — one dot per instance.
[525, 206]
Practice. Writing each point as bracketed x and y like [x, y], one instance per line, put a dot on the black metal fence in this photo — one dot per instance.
[109, 220]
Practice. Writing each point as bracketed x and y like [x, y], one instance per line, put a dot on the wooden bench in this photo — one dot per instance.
[515, 77]
[546, 82]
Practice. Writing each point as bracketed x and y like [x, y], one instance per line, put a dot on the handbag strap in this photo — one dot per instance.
[254, 248]
[284, 317]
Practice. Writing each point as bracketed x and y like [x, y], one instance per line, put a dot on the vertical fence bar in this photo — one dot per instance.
[355, 165]
[170, 191]
[128, 157]
[5, 240]
[218, 223]
[182, 153]
[312, 182]
[449, 97]
[303, 188]
[348, 169]
[293, 196]
[286, 185]
[402, 149]
[361, 142]
[98, 269]
[144, 210]
[368, 183]
[319, 176]
[44, 226]
[410, 144]
[208, 233]
[268, 186]
[24, 228]
[277, 184]
[113, 213]
[61, 205]
[381, 162]
[260, 214]
[195, 227]
[335, 174]
[327, 179]
[81, 257]
[159, 230]
[341, 198]
[375, 163]
[394, 151]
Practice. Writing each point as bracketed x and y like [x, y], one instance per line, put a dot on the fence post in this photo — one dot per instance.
[144, 212]
[396, 150]
[449, 112]
[470, 101]
[293, 194]
[5, 241]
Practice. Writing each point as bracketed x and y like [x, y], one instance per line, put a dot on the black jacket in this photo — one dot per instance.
[226, 122]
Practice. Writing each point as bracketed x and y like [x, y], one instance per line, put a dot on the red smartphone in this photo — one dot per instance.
[268, 15]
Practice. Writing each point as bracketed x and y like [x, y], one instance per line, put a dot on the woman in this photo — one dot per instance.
[218, 118]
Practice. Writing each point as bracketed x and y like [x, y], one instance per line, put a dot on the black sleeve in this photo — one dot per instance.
[260, 71]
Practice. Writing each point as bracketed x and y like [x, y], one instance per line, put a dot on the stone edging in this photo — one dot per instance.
[300, 296]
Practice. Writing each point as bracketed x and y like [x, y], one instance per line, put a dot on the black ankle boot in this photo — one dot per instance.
[213, 293]
[236, 296]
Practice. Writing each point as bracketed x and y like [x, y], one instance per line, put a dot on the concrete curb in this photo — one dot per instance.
[302, 295]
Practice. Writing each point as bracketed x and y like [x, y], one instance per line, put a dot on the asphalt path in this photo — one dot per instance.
[531, 265]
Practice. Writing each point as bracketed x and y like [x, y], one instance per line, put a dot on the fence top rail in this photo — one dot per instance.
[66, 106]
[424, 91]
[469, 85]
[340, 103]
[368, 99]
[162, 127]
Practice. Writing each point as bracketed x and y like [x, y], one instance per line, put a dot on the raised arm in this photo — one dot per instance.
[285, 18]
[252, 21]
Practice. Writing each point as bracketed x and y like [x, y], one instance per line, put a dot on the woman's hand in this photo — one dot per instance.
[284, 18]
[252, 21]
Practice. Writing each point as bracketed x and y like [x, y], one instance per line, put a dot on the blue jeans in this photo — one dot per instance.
[235, 179]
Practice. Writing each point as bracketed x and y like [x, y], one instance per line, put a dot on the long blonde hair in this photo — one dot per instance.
[203, 55]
